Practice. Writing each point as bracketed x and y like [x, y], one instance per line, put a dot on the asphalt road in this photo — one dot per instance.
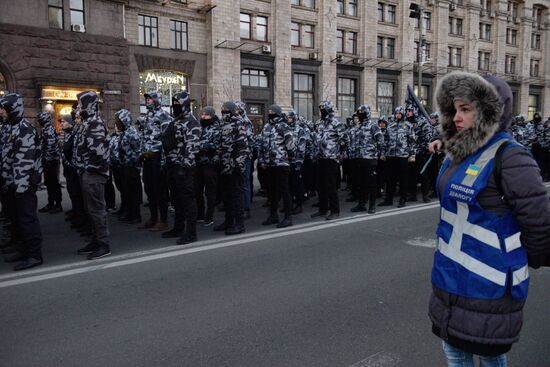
[347, 293]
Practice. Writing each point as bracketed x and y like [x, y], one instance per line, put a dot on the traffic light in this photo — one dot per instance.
[415, 11]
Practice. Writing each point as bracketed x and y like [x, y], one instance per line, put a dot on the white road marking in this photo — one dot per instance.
[380, 359]
[59, 271]
[421, 242]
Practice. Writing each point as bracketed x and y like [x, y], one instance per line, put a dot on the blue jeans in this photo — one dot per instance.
[247, 189]
[459, 358]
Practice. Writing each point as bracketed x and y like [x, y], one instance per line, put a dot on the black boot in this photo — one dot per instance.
[272, 219]
[286, 222]
[358, 208]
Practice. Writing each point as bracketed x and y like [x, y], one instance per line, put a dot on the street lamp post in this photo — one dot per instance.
[417, 13]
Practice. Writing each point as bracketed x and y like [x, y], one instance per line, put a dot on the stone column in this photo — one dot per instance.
[405, 49]
[280, 29]
[471, 28]
[326, 87]
[224, 64]
[440, 53]
[369, 75]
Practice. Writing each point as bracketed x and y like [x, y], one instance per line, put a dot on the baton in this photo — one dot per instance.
[426, 164]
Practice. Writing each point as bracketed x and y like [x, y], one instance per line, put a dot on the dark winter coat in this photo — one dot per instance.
[489, 327]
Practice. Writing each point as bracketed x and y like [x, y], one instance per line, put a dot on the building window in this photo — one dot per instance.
[346, 42]
[485, 31]
[178, 35]
[537, 17]
[455, 57]
[484, 60]
[304, 3]
[534, 68]
[385, 47]
[455, 26]
[261, 29]
[302, 35]
[340, 6]
[534, 105]
[254, 78]
[386, 13]
[510, 64]
[166, 82]
[513, 8]
[352, 8]
[486, 5]
[77, 12]
[148, 30]
[55, 13]
[427, 21]
[511, 37]
[535, 41]
[426, 50]
[384, 98]
[245, 29]
[346, 96]
[302, 95]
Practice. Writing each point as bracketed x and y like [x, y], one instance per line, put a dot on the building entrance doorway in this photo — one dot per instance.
[256, 114]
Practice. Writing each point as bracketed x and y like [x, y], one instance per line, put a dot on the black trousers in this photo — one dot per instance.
[262, 176]
[328, 173]
[156, 187]
[182, 185]
[93, 192]
[206, 185]
[381, 177]
[75, 193]
[130, 191]
[296, 183]
[354, 177]
[365, 173]
[397, 171]
[232, 196]
[51, 180]
[110, 195]
[27, 226]
[309, 174]
[277, 187]
[415, 175]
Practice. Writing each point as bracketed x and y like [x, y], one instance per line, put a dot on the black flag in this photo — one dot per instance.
[412, 99]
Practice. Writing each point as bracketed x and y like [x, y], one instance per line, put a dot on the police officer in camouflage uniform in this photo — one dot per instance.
[154, 177]
[276, 152]
[208, 161]
[181, 163]
[423, 132]
[537, 141]
[331, 143]
[400, 149]
[21, 171]
[309, 169]
[366, 145]
[301, 138]
[92, 163]
[130, 165]
[4, 131]
[50, 162]
[381, 180]
[233, 152]
[115, 175]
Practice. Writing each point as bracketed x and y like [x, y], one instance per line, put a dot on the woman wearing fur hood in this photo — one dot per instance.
[494, 223]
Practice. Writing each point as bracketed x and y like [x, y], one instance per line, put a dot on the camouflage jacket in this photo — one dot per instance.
[424, 132]
[332, 138]
[129, 148]
[249, 127]
[50, 144]
[399, 139]
[518, 132]
[22, 157]
[545, 140]
[67, 149]
[277, 143]
[367, 141]
[154, 119]
[529, 135]
[538, 132]
[188, 136]
[210, 141]
[92, 147]
[114, 148]
[301, 138]
[4, 133]
[311, 144]
[233, 149]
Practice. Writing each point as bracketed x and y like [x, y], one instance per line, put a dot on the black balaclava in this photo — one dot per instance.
[229, 109]
[274, 112]
[210, 111]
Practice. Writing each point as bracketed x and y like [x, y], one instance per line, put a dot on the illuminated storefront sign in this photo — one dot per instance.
[61, 94]
[166, 82]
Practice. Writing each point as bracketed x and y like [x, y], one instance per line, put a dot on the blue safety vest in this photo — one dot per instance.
[479, 254]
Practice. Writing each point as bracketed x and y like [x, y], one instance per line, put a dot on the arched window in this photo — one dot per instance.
[3, 85]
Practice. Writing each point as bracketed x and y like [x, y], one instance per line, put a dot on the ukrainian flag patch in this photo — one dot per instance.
[473, 170]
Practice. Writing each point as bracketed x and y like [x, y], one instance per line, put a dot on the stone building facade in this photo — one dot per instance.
[291, 52]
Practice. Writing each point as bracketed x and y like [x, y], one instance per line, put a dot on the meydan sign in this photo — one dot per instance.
[165, 79]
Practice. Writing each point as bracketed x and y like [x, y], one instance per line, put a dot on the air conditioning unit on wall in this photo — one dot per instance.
[313, 55]
[266, 49]
[78, 28]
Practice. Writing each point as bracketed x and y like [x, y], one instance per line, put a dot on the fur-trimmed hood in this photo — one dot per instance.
[492, 99]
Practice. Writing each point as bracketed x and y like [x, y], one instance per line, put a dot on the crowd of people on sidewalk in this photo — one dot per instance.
[194, 166]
